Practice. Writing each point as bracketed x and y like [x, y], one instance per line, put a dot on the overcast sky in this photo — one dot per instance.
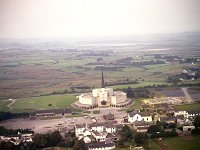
[63, 18]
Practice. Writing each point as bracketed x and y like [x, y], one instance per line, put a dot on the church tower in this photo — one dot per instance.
[102, 80]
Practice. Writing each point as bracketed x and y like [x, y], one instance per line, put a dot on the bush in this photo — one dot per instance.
[196, 131]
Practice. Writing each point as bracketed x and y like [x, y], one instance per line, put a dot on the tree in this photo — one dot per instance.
[40, 140]
[126, 133]
[139, 138]
[196, 131]
[79, 145]
[54, 138]
[196, 122]
[153, 129]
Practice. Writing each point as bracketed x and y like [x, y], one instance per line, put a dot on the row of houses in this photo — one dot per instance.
[17, 139]
[103, 135]
[98, 135]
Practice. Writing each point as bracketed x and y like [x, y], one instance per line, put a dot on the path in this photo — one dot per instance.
[188, 98]
[12, 102]
[161, 144]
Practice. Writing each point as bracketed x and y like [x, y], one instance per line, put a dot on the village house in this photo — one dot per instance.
[17, 139]
[106, 145]
[168, 119]
[139, 116]
[99, 136]
[141, 126]
[79, 130]
[182, 112]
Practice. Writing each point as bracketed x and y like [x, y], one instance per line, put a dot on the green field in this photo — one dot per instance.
[140, 84]
[176, 143]
[38, 103]
[188, 107]
[3, 105]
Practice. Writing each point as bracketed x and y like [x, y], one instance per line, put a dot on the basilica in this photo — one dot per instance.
[102, 97]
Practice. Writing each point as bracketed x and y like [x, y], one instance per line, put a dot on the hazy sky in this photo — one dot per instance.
[61, 18]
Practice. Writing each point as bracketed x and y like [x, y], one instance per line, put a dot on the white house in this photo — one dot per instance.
[110, 128]
[183, 112]
[139, 116]
[99, 136]
[188, 127]
[98, 127]
[79, 130]
[101, 146]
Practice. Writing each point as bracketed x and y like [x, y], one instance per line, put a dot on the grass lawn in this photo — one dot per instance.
[3, 105]
[154, 146]
[37, 103]
[188, 107]
[177, 143]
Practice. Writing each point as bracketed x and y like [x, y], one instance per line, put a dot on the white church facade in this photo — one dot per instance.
[102, 97]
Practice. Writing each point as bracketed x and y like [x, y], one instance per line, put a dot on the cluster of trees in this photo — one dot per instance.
[196, 123]
[190, 60]
[7, 132]
[142, 63]
[128, 136]
[121, 82]
[176, 78]
[10, 146]
[41, 140]
[126, 60]
[47, 140]
[9, 115]
[157, 131]
[138, 93]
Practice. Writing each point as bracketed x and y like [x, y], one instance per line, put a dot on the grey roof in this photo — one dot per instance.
[98, 124]
[142, 123]
[143, 114]
[100, 145]
[171, 118]
[80, 126]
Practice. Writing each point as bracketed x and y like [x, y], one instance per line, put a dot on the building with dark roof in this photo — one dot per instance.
[52, 112]
[100, 145]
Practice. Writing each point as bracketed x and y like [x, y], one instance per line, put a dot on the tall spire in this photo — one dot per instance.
[102, 80]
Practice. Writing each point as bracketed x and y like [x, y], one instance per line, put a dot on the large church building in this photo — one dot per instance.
[102, 97]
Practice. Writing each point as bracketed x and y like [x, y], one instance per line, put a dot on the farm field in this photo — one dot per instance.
[140, 84]
[195, 106]
[37, 69]
[39, 103]
[176, 143]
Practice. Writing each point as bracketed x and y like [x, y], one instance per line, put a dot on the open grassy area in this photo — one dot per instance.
[43, 102]
[188, 107]
[140, 84]
[176, 143]
[3, 105]
[153, 146]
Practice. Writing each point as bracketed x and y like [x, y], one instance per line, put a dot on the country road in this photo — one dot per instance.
[188, 98]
